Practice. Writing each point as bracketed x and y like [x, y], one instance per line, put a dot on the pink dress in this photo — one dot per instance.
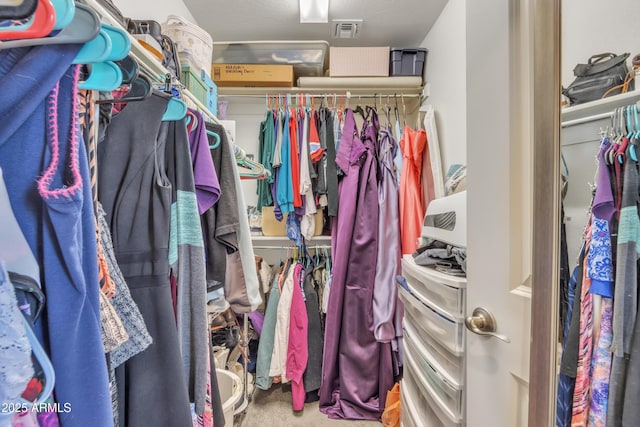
[297, 351]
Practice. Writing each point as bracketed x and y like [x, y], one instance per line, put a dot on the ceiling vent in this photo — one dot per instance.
[346, 28]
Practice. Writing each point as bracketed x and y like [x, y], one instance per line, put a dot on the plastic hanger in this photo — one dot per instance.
[84, 28]
[120, 43]
[614, 140]
[176, 110]
[636, 134]
[23, 10]
[42, 23]
[139, 90]
[129, 68]
[105, 77]
[216, 137]
[34, 295]
[96, 50]
[627, 134]
[64, 9]
[44, 362]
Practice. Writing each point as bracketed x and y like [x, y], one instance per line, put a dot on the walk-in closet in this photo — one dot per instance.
[398, 213]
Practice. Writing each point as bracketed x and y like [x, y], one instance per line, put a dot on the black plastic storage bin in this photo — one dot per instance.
[407, 62]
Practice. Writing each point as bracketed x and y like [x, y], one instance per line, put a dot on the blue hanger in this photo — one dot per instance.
[217, 137]
[84, 27]
[120, 43]
[636, 134]
[96, 50]
[105, 77]
[176, 110]
[65, 9]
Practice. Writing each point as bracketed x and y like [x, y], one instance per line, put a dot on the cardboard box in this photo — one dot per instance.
[359, 61]
[252, 75]
[272, 227]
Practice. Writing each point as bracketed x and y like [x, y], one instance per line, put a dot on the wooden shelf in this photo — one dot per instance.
[356, 86]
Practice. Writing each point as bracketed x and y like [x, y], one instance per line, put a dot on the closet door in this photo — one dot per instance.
[510, 156]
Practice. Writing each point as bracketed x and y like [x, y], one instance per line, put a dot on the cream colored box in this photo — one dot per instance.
[359, 61]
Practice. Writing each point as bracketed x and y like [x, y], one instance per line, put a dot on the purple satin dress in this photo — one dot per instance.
[357, 370]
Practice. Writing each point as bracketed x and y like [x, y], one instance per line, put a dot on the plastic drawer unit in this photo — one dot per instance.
[449, 365]
[433, 387]
[443, 292]
[422, 410]
[448, 332]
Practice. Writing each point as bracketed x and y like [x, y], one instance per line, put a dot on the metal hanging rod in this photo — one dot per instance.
[277, 247]
[327, 95]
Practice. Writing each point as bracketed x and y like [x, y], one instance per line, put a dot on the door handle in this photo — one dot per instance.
[482, 322]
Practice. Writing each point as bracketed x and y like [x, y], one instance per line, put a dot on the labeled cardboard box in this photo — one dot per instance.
[359, 61]
[272, 227]
[252, 75]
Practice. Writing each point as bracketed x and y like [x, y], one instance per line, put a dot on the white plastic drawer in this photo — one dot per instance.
[443, 292]
[450, 366]
[448, 332]
[414, 408]
[420, 409]
[445, 401]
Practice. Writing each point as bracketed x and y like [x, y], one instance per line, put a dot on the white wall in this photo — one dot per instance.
[157, 10]
[594, 26]
[446, 76]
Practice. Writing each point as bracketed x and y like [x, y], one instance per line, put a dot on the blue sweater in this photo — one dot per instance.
[54, 209]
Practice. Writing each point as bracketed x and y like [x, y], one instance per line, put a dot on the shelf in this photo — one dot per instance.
[145, 58]
[283, 241]
[595, 110]
[355, 86]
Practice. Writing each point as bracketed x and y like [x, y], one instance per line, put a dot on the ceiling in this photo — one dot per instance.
[394, 23]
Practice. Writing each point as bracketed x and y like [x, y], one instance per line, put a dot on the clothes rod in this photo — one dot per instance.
[595, 117]
[328, 96]
[586, 119]
[276, 247]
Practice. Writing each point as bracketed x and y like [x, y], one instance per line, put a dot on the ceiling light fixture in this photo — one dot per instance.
[314, 11]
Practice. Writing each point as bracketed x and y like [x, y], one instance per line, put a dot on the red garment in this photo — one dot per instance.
[412, 205]
[295, 160]
[297, 350]
[313, 129]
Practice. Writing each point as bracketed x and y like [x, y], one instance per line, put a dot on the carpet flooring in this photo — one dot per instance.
[272, 408]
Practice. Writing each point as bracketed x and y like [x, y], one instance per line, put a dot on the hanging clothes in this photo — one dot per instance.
[283, 318]
[133, 187]
[205, 176]
[186, 262]
[583, 373]
[297, 352]
[433, 182]
[55, 216]
[357, 371]
[388, 266]
[625, 298]
[266, 147]
[267, 338]
[312, 377]
[412, 207]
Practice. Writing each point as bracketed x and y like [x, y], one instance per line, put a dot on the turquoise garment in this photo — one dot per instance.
[267, 338]
[265, 151]
[285, 183]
